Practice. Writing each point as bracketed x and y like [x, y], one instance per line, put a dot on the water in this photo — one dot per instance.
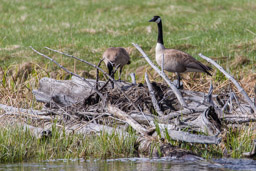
[127, 164]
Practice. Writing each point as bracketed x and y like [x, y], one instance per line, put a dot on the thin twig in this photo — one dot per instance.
[240, 89]
[65, 69]
[133, 78]
[209, 95]
[152, 95]
[168, 81]
[97, 74]
[113, 80]
[106, 83]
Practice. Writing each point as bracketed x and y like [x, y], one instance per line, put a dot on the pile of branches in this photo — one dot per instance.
[152, 109]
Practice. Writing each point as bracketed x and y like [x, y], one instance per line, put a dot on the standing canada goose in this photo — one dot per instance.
[115, 56]
[175, 60]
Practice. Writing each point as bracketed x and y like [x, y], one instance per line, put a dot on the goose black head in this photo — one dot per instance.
[156, 19]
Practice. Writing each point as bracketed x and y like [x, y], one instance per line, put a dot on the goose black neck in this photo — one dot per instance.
[160, 33]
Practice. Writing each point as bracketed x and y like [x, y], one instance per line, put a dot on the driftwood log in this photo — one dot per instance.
[154, 110]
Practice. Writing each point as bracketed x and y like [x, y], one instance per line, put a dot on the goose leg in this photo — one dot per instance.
[120, 71]
[179, 85]
[110, 72]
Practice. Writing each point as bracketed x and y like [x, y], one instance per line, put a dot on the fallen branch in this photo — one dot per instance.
[133, 78]
[125, 117]
[65, 69]
[240, 89]
[153, 97]
[10, 109]
[109, 77]
[183, 112]
[191, 138]
[162, 74]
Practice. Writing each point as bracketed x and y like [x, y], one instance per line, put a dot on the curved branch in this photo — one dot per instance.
[240, 89]
[162, 74]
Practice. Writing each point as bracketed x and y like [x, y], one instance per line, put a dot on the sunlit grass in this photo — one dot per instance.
[63, 146]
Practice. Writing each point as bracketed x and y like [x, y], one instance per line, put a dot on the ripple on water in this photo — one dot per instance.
[125, 164]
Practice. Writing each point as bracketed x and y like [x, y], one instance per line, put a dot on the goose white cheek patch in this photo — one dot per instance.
[158, 20]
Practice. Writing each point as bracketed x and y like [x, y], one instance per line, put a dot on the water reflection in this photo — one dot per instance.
[126, 164]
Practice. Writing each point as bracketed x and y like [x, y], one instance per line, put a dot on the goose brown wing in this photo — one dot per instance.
[192, 64]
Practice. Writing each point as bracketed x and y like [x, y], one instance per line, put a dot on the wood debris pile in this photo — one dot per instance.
[91, 106]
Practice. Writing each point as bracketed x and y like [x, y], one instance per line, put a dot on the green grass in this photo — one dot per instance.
[219, 28]
[63, 146]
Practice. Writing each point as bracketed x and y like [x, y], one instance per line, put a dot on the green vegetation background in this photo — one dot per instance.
[221, 29]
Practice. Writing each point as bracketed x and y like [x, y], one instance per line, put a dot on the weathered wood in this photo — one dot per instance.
[116, 83]
[11, 109]
[153, 97]
[162, 74]
[208, 122]
[133, 78]
[125, 117]
[240, 89]
[142, 119]
[180, 113]
[191, 138]
[65, 69]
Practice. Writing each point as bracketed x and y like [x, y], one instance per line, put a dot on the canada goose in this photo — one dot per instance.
[175, 60]
[115, 56]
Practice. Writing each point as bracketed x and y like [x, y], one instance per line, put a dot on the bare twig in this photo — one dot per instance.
[65, 69]
[97, 74]
[240, 89]
[10, 109]
[209, 95]
[125, 117]
[181, 112]
[113, 80]
[133, 78]
[174, 89]
[152, 95]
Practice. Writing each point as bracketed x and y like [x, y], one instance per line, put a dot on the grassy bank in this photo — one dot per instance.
[223, 30]
[69, 146]
[62, 146]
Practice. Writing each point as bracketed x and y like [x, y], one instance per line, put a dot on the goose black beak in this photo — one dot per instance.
[152, 20]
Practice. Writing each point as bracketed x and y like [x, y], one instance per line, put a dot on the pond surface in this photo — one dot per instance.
[127, 164]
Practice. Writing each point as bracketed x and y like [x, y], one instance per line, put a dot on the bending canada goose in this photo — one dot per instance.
[175, 60]
[115, 56]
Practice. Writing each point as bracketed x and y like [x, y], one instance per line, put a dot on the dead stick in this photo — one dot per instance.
[162, 74]
[97, 75]
[106, 83]
[128, 119]
[153, 97]
[191, 138]
[118, 86]
[133, 78]
[240, 89]
[65, 69]
[180, 113]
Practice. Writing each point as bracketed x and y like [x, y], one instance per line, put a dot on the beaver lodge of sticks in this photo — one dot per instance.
[154, 110]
